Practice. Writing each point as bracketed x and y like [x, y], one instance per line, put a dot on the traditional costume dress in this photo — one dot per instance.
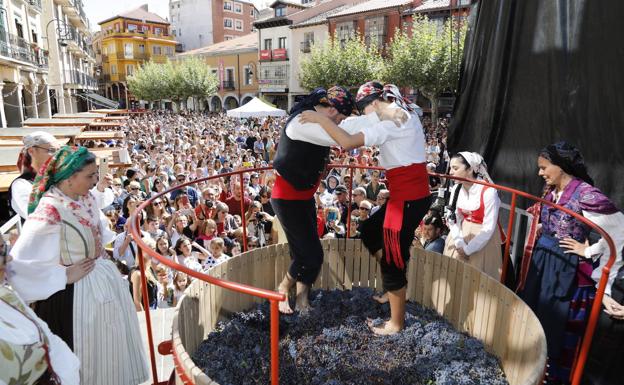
[300, 161]
[402, 154]
[558, 286]
[29, 351]
[94, 315]
[475, 228]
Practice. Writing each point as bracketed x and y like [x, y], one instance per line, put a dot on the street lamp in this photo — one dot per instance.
[63, 32]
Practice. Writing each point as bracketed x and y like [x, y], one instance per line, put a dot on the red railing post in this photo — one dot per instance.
[148, 319]
[274, 342]
[506, 255]
[349, 202]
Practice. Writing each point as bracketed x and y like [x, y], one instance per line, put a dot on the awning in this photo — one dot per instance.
[99, 100]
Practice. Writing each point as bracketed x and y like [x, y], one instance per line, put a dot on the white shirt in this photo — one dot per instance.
[128, 256]
[20, 194]
[471, 200]
[613, 224]
[103, 198]
[398, 146]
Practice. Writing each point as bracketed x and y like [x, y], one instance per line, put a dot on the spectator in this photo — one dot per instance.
[432, 233]
[374, 186]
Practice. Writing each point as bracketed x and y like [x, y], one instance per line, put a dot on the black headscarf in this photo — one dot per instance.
[569, 158]
[337, 97]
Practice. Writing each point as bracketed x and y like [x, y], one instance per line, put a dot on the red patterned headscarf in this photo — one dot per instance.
[373, 90]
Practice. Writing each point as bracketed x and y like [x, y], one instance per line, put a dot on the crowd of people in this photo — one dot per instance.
[200, 224]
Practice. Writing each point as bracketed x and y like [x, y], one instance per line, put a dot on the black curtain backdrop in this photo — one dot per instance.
[540, 71]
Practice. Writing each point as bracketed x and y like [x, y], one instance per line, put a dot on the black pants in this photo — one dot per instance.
[394, 278]
[58, 312]
[298, 219]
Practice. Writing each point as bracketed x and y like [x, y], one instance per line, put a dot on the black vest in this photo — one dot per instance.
[300, 163]
[29, 176]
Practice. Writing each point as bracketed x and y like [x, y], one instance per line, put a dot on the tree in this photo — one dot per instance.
[348, 64]
[149, 82]
[428, 60]
[192, 78]
[179, 81]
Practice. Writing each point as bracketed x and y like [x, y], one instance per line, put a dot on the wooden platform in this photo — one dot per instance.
[59, 132]
[36, 122]
[19, 142]
[79, 115]
[8, 158]
[99, 135]
[6, 178]
[469, 299]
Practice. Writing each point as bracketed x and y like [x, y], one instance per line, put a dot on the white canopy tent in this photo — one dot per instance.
[255, 108]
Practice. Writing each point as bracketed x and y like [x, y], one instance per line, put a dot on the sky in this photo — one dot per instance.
[99, 10]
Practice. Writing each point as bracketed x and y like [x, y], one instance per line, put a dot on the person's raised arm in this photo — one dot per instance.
[342, 137]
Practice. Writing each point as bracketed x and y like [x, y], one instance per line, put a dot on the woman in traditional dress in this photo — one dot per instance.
[556, 279]
[474, 235]
[389, 232]
[31, 354]
[61, 265]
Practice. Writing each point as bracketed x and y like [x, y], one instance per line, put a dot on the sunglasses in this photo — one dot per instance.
[157, 203]
[50, 150]
[134, 188]
[363, 208]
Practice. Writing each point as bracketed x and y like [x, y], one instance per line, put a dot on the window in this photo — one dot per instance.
[345, 31]
[227, 5]
[281, 42]
[179, 31]
[227, 23]
[113, 69]
[268, 44]
[34, 36]
[129, 69]
[168, 51]
[128, 50]
[229, 74]
[309, 37]
[463, 2]
[228, 37]
[141, 48]
[144, 28]
[117, 27]
[238, 25]
[248, 76]
[238, 8]
[375, 31]
[252, 12]
[157, 50]
[19, 28]
[158, 31]
[280, 11]
[132, 27]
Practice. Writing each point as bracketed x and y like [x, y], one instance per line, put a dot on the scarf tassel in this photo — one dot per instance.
[393, 247]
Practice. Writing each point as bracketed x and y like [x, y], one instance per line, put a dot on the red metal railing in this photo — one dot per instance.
[274, 297]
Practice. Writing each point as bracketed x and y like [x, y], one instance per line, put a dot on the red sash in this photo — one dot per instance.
[284, 190]
[530, 245]
[405, 183]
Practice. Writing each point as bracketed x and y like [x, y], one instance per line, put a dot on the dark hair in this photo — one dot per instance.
[179, 243]
[434, 219]
[124, 206]
[90, 159]
[265, 190]
[464, 162]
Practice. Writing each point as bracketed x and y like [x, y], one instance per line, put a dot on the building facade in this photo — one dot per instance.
[127, 41]
[72, 61]
[200, 23]
[235, 64]
[24, 82]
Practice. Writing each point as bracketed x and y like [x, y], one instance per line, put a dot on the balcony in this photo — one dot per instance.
[306, 46]
[280, 54]
[273, 77]
[77, 79]
[265, 55]
[35, 4]
[229, 85]
[18, 48]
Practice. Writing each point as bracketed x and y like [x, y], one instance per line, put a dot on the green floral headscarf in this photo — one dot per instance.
[63, 164]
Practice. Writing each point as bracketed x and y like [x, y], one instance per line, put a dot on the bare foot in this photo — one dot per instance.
[284, 306]
[381, 298]
[384, 329]
[302, 302]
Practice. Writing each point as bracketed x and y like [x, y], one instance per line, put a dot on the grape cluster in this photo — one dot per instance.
[332, 345]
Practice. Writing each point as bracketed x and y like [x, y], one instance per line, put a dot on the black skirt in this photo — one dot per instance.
[58, 312]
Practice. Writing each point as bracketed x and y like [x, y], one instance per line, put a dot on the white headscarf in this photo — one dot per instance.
[38, 138]
[477, 164]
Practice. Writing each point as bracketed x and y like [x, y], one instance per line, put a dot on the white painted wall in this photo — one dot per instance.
[192, 22]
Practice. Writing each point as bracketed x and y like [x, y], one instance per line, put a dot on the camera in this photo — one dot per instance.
[259, 216]
[209, 204]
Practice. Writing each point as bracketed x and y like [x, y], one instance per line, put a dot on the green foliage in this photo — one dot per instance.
[429, 59]
[179, 81]
[349, 64]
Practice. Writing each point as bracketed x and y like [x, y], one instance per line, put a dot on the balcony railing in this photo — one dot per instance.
[79, 78]
[306, 46]
[229, 85]
[36, 4]
[18, 48]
